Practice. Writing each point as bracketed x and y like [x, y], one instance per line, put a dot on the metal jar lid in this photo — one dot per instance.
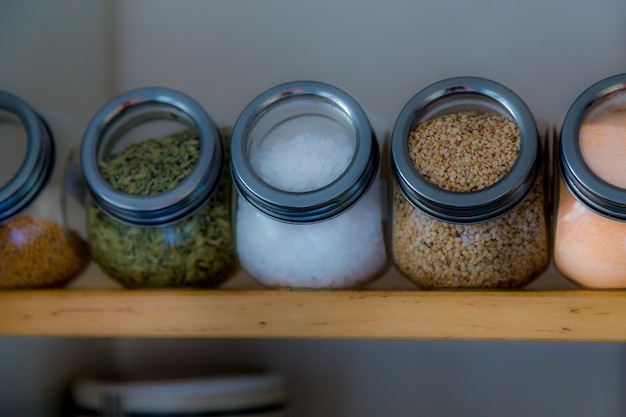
[36, 168]
[598, 195]
[123, 113]
[462, 94]
[327, 201]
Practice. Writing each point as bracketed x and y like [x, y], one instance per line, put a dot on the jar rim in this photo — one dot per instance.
[598, 195]
[129, 109]
[212, 394]
[315, 205]
[36, 169]
[473, 206]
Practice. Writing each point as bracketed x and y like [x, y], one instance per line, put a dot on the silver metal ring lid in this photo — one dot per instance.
[126, 111]
[475, 206]
[35, 171]
[598, 195]
[309, 206]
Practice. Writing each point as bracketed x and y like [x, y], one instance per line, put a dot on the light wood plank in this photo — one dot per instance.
[521, 315]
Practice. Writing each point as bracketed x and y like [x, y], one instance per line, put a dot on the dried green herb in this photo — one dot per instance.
[152, 166]
[196, 252]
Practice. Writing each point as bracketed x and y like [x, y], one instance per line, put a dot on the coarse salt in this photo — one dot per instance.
[303, 154]
[341, 252]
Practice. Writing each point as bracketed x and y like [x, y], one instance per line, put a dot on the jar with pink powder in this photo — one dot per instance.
[590, 227]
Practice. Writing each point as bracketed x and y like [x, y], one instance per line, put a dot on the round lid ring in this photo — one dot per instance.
[474, 206]
[126, 111]
[322, 203]
[598, 195]
[35, 171]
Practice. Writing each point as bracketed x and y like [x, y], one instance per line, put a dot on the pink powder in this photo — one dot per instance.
[588, 248]
[602, 140]
[591, 249]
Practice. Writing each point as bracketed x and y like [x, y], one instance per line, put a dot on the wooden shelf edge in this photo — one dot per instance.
[576, 315]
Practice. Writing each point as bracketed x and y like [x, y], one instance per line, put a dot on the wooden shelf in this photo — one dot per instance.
[573, 315]
[551, 309]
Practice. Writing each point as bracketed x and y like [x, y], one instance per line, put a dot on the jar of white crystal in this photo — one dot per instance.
[309, 211]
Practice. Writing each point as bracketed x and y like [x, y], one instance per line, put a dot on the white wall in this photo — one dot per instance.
[66, 57]
[224, 53]
[55, 56]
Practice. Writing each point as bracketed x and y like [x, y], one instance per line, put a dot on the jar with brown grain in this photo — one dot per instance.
[469, 194]
[37, 250]
[153, 189]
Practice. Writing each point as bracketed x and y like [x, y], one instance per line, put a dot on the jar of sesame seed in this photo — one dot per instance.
[468, 207]
[37, 250]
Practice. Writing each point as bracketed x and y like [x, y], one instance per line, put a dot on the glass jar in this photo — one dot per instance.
[254, 395]
[305, 163]
[36, 249]
[469, 199]
[590, 225]
[155, 194]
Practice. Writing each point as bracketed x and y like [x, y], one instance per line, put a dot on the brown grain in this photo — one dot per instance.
[464, 151]
[508, 252]
[39, 253]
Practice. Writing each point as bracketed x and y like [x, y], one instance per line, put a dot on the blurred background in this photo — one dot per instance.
[67, 58]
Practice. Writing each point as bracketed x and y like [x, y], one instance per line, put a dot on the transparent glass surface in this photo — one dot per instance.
[345, 251]
[301, 144]
[37, 250]
[13, 146]
[507, 252]
[589, 249]
[602, 138]
[195, 252]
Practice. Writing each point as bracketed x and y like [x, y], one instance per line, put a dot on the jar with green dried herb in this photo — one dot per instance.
[36, 250]
[158, 192]
[469, 199]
